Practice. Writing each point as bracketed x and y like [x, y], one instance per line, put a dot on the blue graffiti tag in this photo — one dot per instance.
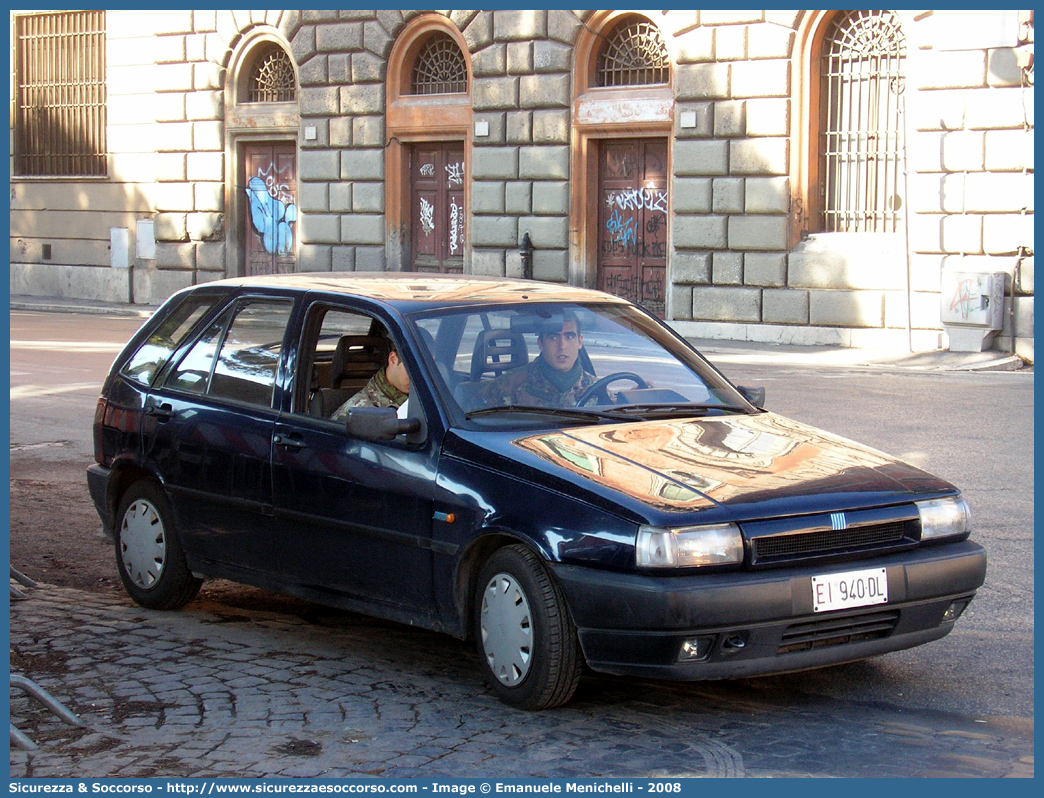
[271, 217]
[622, 231]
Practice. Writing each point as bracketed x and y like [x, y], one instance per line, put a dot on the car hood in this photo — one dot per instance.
[764, 461]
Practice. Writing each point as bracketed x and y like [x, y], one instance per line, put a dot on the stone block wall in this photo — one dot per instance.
[192, 51]
[188, 142]
[731, 189]
[733, 266]
[520, 171]
[341, 172]
[971, 143]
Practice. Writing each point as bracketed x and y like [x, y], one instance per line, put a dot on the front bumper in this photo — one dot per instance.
[756, 623]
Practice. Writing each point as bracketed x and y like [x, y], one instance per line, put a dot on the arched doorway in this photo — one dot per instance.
[429, 132]
[262, 122]
[623, 112]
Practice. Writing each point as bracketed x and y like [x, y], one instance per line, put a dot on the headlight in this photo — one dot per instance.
[689, 546]
[944, 518]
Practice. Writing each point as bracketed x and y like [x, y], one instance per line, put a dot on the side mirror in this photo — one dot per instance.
[379, 424]
[756, 396]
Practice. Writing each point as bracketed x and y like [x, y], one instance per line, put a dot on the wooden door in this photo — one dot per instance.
[632, 221]
[437, 213]
[270, 186]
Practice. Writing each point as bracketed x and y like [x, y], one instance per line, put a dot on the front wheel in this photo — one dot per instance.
[148, 554]
[526, 640]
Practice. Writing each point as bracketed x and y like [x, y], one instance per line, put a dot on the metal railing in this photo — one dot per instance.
[27, 685]
[863, 78]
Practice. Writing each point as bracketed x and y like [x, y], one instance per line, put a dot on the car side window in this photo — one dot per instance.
[339, 355]
[238, 356]
[145, 364]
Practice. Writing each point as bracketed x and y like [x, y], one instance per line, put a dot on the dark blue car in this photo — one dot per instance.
[647, 518]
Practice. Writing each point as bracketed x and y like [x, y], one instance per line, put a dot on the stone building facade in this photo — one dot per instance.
[696, 161]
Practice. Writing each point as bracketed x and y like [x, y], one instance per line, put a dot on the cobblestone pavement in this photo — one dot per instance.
[214, 690]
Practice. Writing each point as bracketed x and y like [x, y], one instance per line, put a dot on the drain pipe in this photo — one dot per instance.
[906, 226]
[1016, 276]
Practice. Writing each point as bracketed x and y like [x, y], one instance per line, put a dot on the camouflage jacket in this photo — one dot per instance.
[528, 386]
[378, 392]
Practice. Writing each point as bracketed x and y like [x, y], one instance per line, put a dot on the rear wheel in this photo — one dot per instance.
[149, 556]
[526, 640]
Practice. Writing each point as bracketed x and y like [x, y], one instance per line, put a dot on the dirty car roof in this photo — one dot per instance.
[414, 288]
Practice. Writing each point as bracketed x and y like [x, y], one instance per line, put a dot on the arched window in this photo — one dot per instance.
[272, 77]
[440, 68]
[634, 54]
[862, 81]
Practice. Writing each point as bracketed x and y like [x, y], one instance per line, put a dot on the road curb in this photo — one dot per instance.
[140, 311]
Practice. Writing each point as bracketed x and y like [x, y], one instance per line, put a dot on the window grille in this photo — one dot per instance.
[60, 113]
[863, 79]
[440, 68]
[272, 80]
[634, 55]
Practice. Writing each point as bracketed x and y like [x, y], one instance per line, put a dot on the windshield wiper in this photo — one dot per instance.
[558, 412]
[675, 409]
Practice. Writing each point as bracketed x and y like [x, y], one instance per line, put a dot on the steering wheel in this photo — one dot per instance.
[600, 388]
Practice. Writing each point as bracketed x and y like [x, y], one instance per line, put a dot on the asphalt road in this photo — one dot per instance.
[974, 429]
[974, 686]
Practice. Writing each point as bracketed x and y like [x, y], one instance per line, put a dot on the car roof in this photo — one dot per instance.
[414, 290]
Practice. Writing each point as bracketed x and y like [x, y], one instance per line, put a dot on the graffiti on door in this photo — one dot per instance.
[638, 198]
[438, 213]
[455, 174]
[632, 221]
[427, 216]
[273, 210]
[456, 231]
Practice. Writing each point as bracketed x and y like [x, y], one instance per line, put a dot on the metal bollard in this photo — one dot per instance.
[49, 701]
[526, 252]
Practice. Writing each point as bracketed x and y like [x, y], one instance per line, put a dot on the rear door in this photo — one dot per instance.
[207, 432]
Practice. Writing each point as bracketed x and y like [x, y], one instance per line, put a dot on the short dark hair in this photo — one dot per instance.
[383, 345]
[556, 321]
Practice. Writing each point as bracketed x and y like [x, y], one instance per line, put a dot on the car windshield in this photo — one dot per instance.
[597, 361]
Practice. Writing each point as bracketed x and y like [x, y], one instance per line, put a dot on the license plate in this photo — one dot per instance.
[850, 589]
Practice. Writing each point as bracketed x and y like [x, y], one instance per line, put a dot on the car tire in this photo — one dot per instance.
[526, 641]
[149, 556]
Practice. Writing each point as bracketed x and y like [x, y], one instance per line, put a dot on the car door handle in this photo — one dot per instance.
[289, 442]
[164, 412]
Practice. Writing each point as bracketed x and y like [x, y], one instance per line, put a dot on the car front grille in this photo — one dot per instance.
[826, 540]
[837, 630]
[826, 537]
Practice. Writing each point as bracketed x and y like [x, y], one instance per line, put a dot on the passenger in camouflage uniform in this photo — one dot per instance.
[554, 379]
[389, 387]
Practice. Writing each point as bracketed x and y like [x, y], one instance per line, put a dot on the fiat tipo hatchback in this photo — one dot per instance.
[549, 470]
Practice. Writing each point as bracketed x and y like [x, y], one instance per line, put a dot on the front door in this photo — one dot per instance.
[270, 186]
[354, 517]
[632, 221]
[437, 207]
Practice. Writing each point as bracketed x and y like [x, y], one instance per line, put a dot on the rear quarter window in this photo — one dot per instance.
[238, 356]
[143, 366]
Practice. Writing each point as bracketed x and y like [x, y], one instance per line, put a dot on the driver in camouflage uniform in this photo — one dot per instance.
[554, 379]
[389, 387]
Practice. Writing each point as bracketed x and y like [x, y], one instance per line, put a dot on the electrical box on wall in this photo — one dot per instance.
[972, 309]
[974, 299]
